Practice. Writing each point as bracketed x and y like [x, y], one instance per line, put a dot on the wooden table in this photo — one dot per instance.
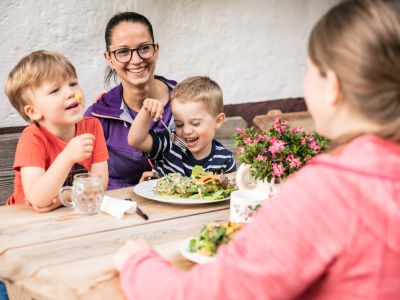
[63, 255]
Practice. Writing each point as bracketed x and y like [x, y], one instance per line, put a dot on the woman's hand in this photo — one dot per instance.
[130, 248]
[154, 107]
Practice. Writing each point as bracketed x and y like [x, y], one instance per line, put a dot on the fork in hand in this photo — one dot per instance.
[174, 138]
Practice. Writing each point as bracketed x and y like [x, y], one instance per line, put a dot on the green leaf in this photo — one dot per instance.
[197, 170]
[193, 245]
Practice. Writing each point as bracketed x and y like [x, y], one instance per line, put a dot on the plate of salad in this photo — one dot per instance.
[203, 248]
[201, 187]
[195, 257]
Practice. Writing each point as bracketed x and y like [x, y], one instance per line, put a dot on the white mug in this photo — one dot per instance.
[245, 182]
[244, 204]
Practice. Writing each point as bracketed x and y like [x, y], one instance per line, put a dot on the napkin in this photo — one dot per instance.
[117, 207]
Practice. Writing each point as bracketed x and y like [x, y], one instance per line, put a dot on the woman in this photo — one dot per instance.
[333, 232]
[131, 56]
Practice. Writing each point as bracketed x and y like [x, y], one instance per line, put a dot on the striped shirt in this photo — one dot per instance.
[169, 158]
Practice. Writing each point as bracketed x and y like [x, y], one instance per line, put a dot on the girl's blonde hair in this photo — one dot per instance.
[31, 72]
[359, 40]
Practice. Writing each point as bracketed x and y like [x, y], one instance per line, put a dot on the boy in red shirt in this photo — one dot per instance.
[59, 142]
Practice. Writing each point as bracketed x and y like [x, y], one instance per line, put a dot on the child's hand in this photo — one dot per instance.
[154, 107]
[148, 175]
[130, 248]
[54, 204]
[79, 148]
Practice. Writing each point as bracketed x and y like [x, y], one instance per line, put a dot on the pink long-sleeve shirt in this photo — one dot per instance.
[333, 232]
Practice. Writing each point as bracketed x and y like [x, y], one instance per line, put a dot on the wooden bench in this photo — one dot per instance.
[224, 134]
[8, 143]
[295, 119]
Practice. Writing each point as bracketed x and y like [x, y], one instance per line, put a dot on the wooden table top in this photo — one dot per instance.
[63, 255]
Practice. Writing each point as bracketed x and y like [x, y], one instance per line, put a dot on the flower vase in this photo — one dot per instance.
[245, 181]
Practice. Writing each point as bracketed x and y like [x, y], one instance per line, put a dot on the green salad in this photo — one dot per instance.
[212, 236]
[200, 185]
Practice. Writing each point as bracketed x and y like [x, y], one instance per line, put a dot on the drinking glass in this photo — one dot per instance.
[85, 195]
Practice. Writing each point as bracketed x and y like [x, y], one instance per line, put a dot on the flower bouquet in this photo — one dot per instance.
[276, 154]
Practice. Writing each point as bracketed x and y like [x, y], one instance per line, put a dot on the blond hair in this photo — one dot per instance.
[31, 72]
[200, 89]
[359, 40]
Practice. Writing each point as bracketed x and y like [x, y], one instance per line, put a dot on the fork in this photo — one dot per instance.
[174, 138]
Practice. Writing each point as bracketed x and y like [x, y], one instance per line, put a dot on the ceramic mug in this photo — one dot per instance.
[86, 194]
[244, 204]
[245, 182]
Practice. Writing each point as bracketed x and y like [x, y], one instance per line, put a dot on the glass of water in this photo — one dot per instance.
[85, 194]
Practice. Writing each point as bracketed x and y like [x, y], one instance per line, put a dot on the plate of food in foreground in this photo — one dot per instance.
[203, 248]
[201, 187]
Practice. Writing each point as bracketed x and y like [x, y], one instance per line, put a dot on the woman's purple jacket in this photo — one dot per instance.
[126, 164]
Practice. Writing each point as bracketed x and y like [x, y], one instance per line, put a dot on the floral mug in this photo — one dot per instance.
[244, 181]
[244, 205]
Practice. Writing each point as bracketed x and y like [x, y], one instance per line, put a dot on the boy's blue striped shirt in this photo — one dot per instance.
[169, 158]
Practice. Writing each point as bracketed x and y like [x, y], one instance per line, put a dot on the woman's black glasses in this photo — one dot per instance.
[124, 55]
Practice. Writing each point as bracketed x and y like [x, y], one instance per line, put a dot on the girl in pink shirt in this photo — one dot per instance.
[333, 232]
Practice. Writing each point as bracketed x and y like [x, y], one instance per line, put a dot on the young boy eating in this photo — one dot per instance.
[59, 142]
[197, 107]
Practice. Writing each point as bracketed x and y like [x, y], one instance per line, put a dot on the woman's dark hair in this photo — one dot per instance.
[117, 19]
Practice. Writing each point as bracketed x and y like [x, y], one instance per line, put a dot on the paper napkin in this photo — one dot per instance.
[117, 207]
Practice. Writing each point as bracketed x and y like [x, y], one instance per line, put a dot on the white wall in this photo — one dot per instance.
[255, 49]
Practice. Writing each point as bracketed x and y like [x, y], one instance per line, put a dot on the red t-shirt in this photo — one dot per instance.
[38, 147]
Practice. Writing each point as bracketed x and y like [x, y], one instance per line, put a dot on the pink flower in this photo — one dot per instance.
[240, 150]
[260, 138]
[240, 130]
[270, 152]
[277, 170]
[297, 129]
[277, 145]
[313, 145]
[294, 162]
[263, 138]
[279, 125]
[261, 157]
[248, 140]
[290, 157]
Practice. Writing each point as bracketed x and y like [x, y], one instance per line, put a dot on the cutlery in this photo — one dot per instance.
[174, 138]
[139, 211]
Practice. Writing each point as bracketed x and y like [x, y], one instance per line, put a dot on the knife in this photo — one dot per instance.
[139, 211]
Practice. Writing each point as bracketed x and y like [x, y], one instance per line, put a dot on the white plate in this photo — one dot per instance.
[194, 257]
[145, 189]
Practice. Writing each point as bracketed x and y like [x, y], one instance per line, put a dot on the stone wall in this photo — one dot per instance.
[255, 49]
